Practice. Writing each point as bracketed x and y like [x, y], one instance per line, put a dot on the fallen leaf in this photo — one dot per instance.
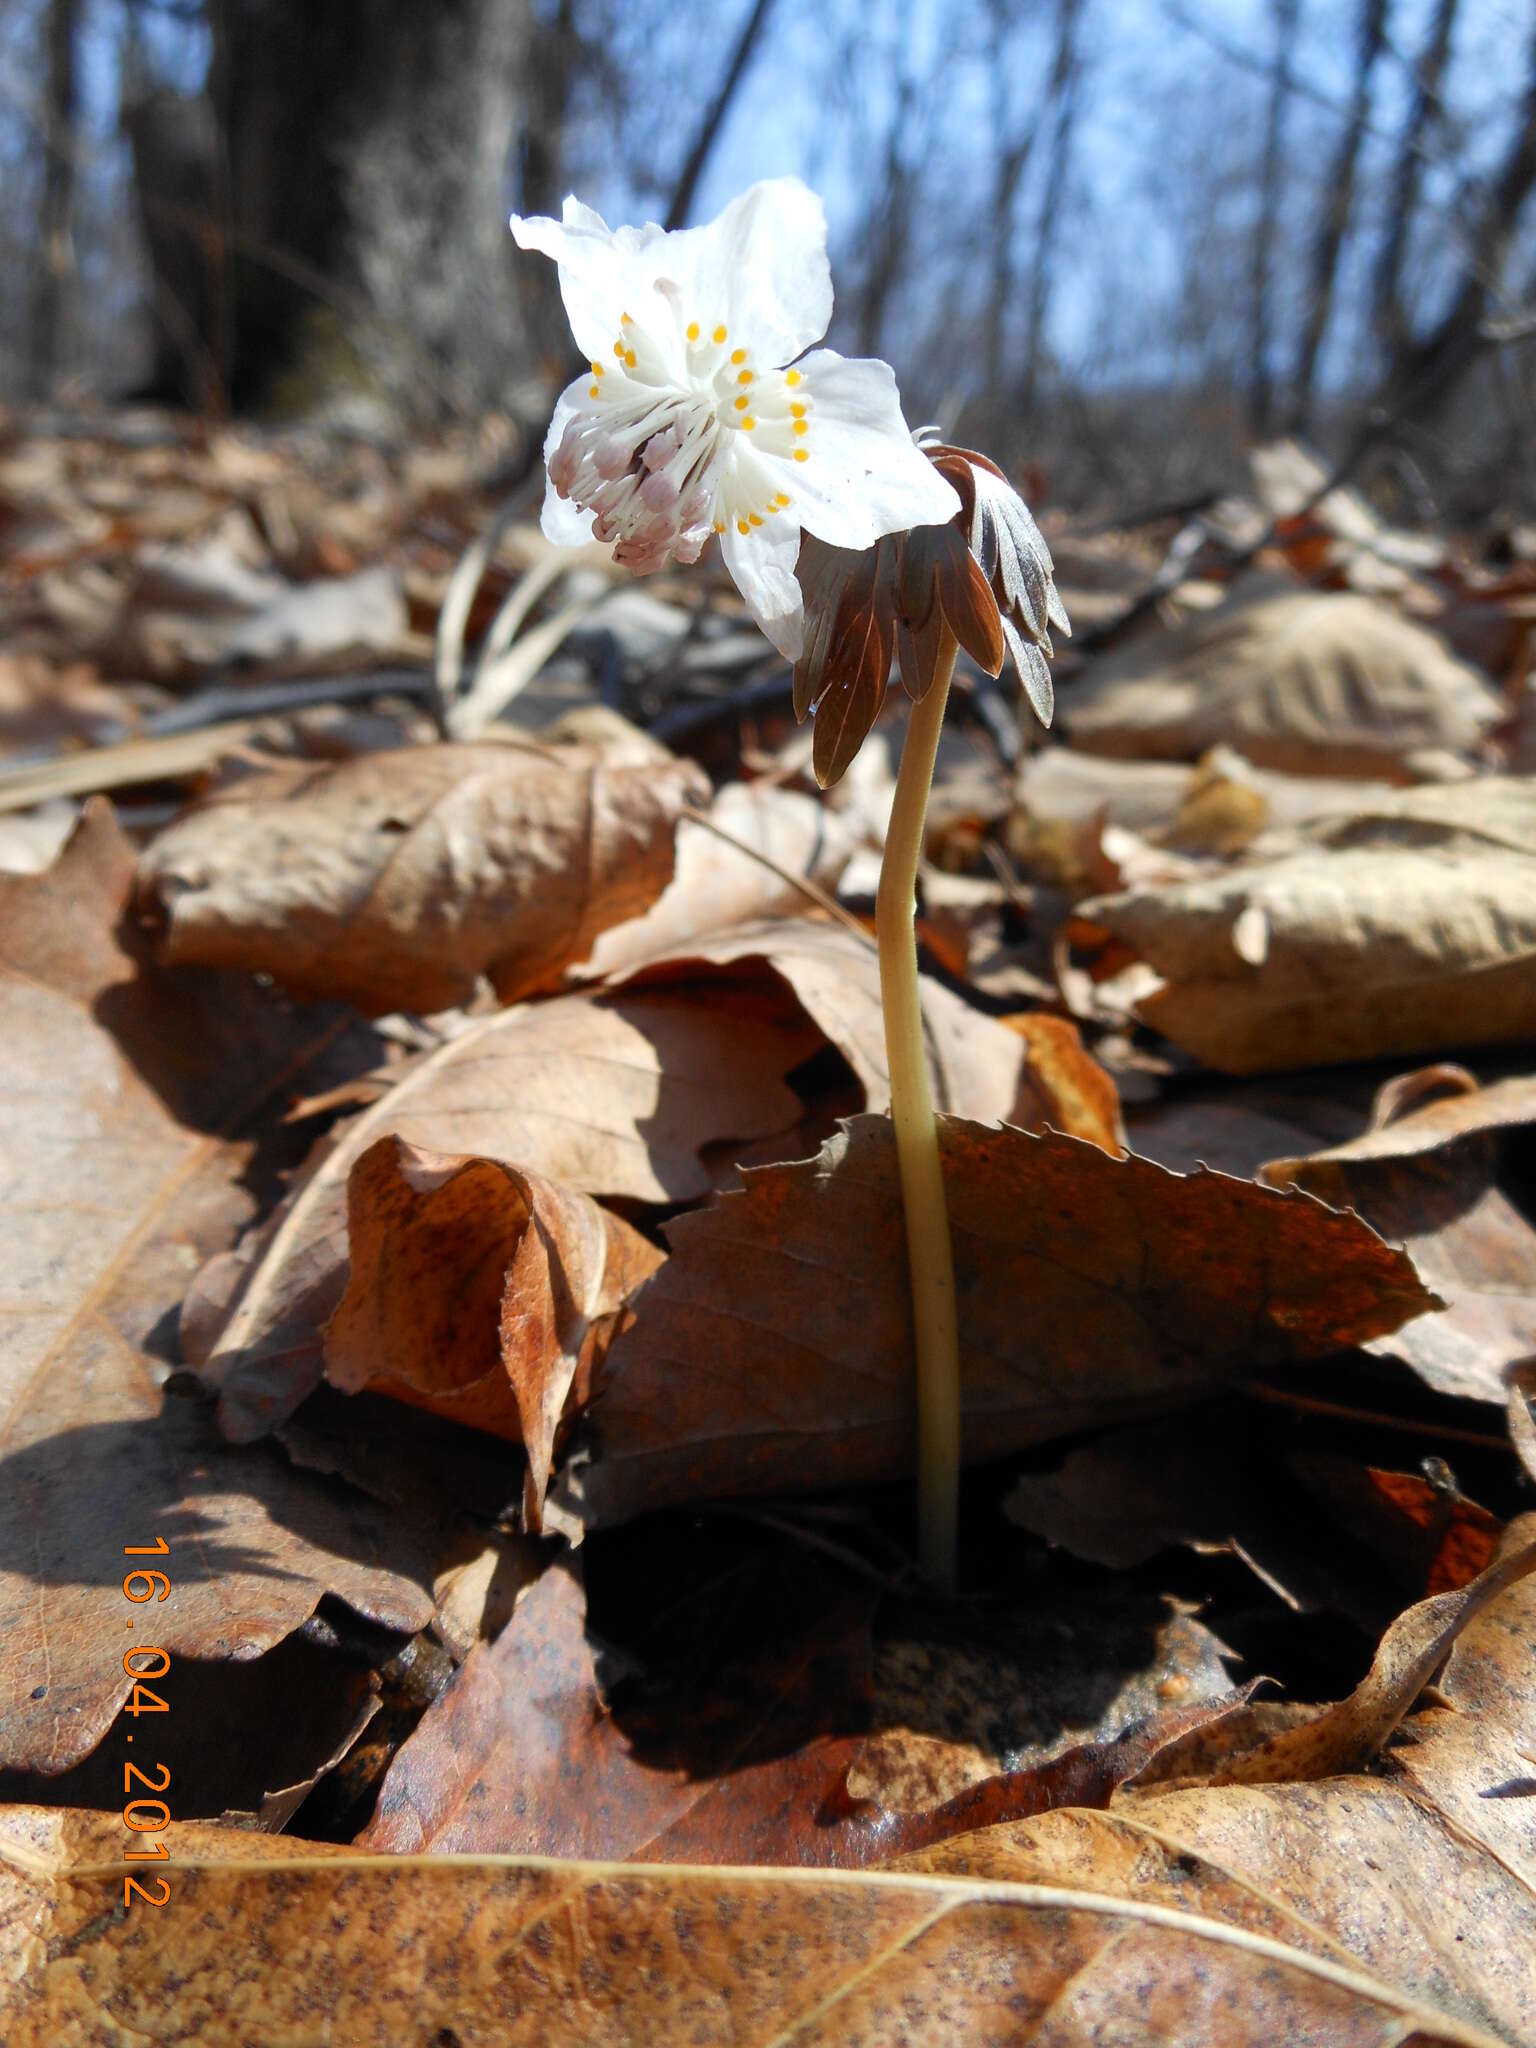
[978, 1067]
[773, 1349]
[1407, 929]
[500, 1953]
[719, 883]
[125, 1091]
[1263, 1743]
[601, 1094]
[479, 1291]
[395, 880]
[1430, 1179]
[1299, 680]
[44, 705]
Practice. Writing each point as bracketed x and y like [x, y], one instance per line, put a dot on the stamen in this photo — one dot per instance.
[797, 412]
[802, 455]
[693, 330]
[753, 519]
[748, 422]
[743, 526]
[802, 427]
[743, 376]
[741, 404]
[738, 355]
[719, 336]
[791, 376]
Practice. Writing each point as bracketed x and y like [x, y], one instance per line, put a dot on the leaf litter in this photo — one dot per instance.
[450, 1201]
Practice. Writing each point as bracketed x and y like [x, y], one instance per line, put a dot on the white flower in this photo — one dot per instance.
[695, 417]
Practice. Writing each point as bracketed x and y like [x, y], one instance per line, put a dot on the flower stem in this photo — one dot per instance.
[929, 1256]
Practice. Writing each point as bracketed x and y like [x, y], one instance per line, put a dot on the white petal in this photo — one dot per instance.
[762, 566]
[863, 476]
[767, 256]
[598, 273]
[562, 522]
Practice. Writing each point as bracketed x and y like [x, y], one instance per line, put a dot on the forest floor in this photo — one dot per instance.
[455, 1395]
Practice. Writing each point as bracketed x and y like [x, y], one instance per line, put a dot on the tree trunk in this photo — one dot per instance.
[1387, 315]
[1065, 75]
[1339, 203]
[1261, 393]
[1423, 373]
[54, 261]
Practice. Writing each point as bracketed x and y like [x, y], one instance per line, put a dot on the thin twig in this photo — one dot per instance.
[803, 883]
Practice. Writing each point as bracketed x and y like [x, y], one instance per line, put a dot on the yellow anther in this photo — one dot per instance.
[629, 359]
[802, 426]
[797, 412]
[625, 320]
[802, 455]
[754, 520]
[748, 422]
[593, 391]
[791, 376]
[618, 349]
[738, 355]
[719, 526]
[743, 526]
[693, 330]
[782, 500]
[743, 376]
[741, 404]
[719, 335]
[597, 369]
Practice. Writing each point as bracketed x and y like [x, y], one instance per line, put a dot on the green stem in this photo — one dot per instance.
[929, 1256]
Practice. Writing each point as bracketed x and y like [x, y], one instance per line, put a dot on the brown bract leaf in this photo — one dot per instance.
[1429, 1178]
[1306, 681]
[599, 1094]
[1407, 929]
[124, 1091]
[1089, 1288]
[500, 1954]
[483, 1293]
[395, 880]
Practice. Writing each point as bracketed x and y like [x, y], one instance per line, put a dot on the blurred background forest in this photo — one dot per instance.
[1120, 240]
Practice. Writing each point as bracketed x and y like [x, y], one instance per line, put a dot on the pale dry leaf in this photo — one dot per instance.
[774, 1347]
[395, 880]
[1429, 1178]
[1406, 929]
[719, 884]
[1299, 680]
[282, 1936]
[125, 1089]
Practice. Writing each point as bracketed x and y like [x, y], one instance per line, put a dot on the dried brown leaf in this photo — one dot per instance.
[395, 880]
[481, 1292]
[125, 1089]
[502, 1953]
[1406, 929]
[598, 1093]
[1090, 1288]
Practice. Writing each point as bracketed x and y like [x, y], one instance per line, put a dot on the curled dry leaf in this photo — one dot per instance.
[1406, 929]
[395, 880]
[1421, 1873]
[600, 1094]
[774, 1347]
[125, 1089]
[1429, 1178]
[501, 1954]
[1301, 680]
[479, 1291]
